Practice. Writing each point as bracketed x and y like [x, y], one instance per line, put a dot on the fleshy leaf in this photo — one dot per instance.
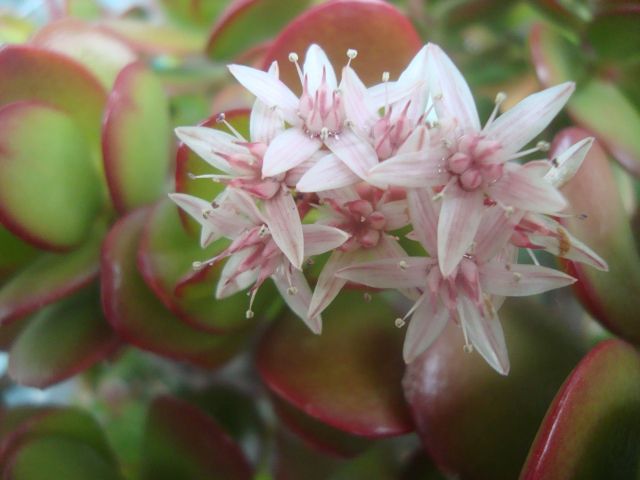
[136, 138]
[166, 254]
[611, 297]
[50, 192]
[614, 35]
[61, 340]
[193, 13]
[49, 278]
[139, 317]
[248, 23]
[14, 253]
[311, 372]
[382, 35]
[475, 423]
[40, 75]
[181, 441]
[102, 53]
[555, 58]
[592, 428]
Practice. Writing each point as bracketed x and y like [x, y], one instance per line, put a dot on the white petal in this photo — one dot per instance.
[515, 280]
[355, 97]
[288, 150]
[485, 333]
[329, 284]
[208, 142]
[297, 298]
[522, 123]
[356, 152]
[315, 62]
[225, 287]
[450, 91]
[459, 220]
[404, 272]
[569, 247]
[409, 170]
[424, 217]
[424, 328]
[327, 174]
[495, 231]
[215, 225]
[319, 239]
[396, 213]
[240, 202]
[568, 162]
[265, 122]
[268, 89]
[285, 226]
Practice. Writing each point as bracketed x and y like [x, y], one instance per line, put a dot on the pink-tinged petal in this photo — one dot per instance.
[418, 140]
[208, 143]
[424, 328]
[316, 64]
[514, 280]
[358, 105]
[231, 281]
[450, 91]
[494, 232]
[196, 208]
[396, 214]
[328, 173]
[424, 217]
[522, 123]
[329, 284]
[265, 122]
[297, 295]
[285, 226]
[523, 189]
[409, 170]
[319, 239]
[407, 272]
[237, 201]
[485, 333]
[267, 89]
[356, 152]
[568, 162]
[287, 150]
[460, 217]
[569, 247]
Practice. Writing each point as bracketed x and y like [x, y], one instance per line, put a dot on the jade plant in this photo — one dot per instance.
[277, 239]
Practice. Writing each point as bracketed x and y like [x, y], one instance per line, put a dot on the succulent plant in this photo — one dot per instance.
[166, 381]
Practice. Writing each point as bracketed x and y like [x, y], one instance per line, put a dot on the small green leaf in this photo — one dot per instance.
[136, 138]
[50, 191]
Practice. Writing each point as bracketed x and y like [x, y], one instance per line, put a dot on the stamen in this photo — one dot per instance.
[533, 257]
[367, 297]
[250, 313]
[402, 265]
[324, 133]
[541, 146]
[351, 53]
[399, 323]
[468, 348]
[500, 98]
[293, 58]
[292, 290]
[221, 118]
[385, 80]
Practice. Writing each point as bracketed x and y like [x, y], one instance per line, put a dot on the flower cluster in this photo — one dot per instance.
[342, 168]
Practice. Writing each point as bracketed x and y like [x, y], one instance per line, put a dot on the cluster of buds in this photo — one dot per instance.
[346, 169]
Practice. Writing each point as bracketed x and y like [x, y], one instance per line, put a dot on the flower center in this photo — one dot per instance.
[475, 162]
[363, 223]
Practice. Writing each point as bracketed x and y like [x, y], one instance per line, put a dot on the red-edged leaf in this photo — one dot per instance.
[166, 255]
[592, 428]
[102, 53]
[61, 340]
[181, 441]
[193, 13]
[136, 138]
[554, 57]
[247, 23]
[49, 278]
[50, 191]
[28, 73]
[14, 253]
[384, 38]
[341, 377]
[139, 317]
[475, 423]
[614, 34]
[612, 297]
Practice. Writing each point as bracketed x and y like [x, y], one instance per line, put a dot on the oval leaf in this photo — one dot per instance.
[181, 441]
[592, 428]
[136, 138]
[384, 38]
[50, 192]
[311, 372]
[139, 317]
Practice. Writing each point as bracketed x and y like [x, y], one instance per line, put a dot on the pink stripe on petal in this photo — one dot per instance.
[285, 226]
[409, 170]
[424, 217]
[288, 150]
[569, 247]
[327, 174]
[315, 62]
[319, 239]
[356, 152]
[329, 285]
[521, 280]
[424, 328]
[460, 217]
[522, 123]
[396, 214]
[208, 143]
[450, 91]
[495, 231]
[485, 333]
[396, 273]
[357, 103]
